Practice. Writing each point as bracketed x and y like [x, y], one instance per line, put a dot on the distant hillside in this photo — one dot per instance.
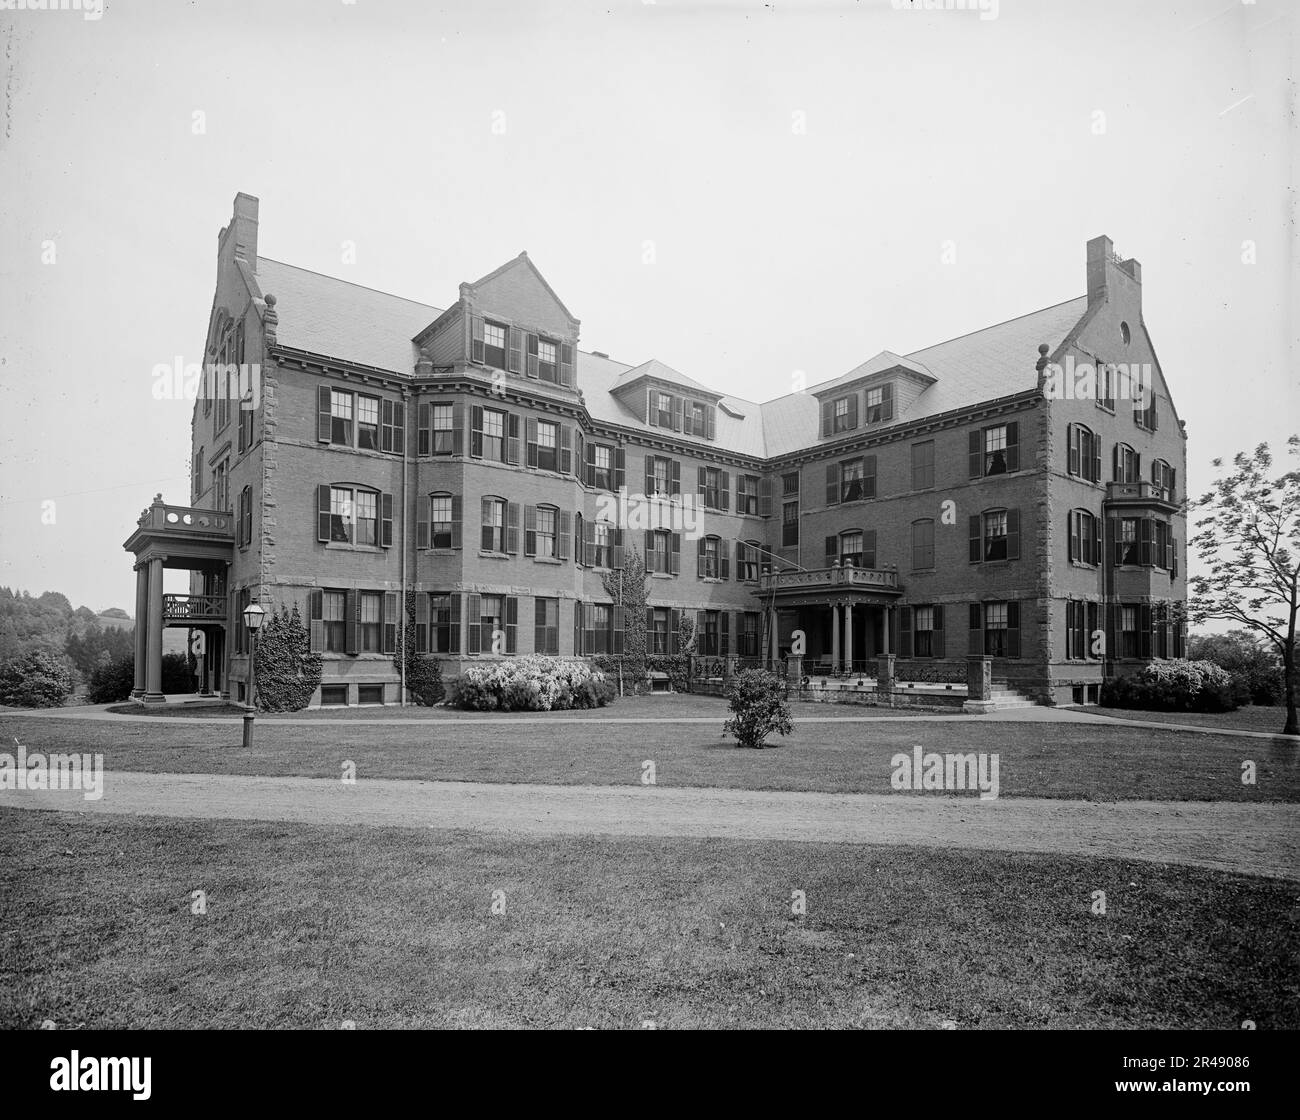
[120, 621]
[49, 621]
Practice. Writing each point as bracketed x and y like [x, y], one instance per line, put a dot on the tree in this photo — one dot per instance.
[40, 679]
[423, 673]
[627, 587]
[1252, 661]
[758, 708]
[1248, 546]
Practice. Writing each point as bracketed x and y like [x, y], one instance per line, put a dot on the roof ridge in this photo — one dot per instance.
[349, 283]
[993, 326]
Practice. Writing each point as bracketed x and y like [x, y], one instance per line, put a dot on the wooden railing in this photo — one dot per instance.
[194, 608]
[880, 578]
[187, 519]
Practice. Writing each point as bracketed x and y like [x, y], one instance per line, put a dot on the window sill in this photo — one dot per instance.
[493, 555]
[340, 546]
[548, 560]
[662, 575]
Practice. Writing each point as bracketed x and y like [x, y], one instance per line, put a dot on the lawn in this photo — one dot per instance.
[1088, 761]
[1270, 720]
[310, 926]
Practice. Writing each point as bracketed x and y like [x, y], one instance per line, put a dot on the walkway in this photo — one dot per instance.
[1258, 839]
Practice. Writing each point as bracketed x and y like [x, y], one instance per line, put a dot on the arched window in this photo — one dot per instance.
[1128, 464]
[1085, 538]
[1162, 476]
[1084, 453]
[712, 561]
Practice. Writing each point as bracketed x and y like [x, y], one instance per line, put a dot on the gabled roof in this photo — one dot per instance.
[656, 369]
[525, 260]
[885, 360]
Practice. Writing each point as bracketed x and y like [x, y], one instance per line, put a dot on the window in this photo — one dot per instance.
[714, 487]
[444, 433]
[659, 552]
[660, 476]
[851, 548]
[996, 626]
[1084, 540]
[995, 450]
[790, 485]
[851, 481]
[444, 623]
[603, 552]
[842, 414]
[546, 637]
[1129, 632]
[1128, 464]
[603, 474]
[880, 404]
[353, 515]
[1107, 375]
[747, 561]
[664, 409]
[333, 695]
[544, 534]
[220, 483]
[494, 525]
[1127, 549]
[789, 524]
[223, 392]
[1144, 402]
[923, 465]
[923, 631]
[1080, 623]
[749, 638]
[995, 535]
[548, 445]
[707, 630]
[246, 422]
[1162, 477]
[699, 419]
[1084, 455]
[491, 620]
[747, 494]
[494, 344]
[440, 521]
[367, 423]
[492, 439]
[371, 620]
[923, 544]
[657, 640]
[340, 417]
[370, 694]
[334, 616]
[712, 564]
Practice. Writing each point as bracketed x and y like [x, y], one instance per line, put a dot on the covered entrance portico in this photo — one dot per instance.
[847, 617]
[200, 541]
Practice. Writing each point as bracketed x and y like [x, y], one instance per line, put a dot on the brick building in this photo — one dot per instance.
[983, 495]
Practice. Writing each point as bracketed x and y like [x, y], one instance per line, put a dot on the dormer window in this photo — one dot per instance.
[664, 409]
[494, 344]
[546, 364]
[880, 404]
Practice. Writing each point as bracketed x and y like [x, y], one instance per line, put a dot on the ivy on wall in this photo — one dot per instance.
[423, 673]
[288, 672]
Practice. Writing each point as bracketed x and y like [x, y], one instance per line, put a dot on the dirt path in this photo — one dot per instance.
[1260, 839]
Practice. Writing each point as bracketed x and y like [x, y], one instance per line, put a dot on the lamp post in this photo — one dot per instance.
[253, 615]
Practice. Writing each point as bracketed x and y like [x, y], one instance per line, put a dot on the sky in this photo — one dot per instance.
[749, 192]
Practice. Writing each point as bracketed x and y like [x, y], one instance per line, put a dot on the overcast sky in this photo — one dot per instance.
[795, 171]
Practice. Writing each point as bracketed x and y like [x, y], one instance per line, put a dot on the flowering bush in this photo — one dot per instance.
[531, 684]
[1173, 686]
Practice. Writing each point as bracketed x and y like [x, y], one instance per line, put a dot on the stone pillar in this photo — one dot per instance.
[888, 613]
[848, 637]
[885, 679]
[794, 671]
[153, 693]
[835, 638]
[141, 629]
[979, 684]
[773, 652]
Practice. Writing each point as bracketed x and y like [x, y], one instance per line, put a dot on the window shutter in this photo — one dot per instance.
[532, 355]
[936, 639]
[1144, 630]
[832, 550]
[1071, 630]
[765, 497]
[676, 554]
[675, 484]
[390, 621]
[853, 411]
[905, 632]
[476, 339]
[828, 418]
[711, 415]
[422, 526]
[458, 429]
[724, 632]
[677, 413]
[385, 425]
[476, 431]
[512, 439]
[474, 623]
[248, 515]
[316, 624]
[1169, 554]
[1114, 460]
[975, 523]
[699, 558]
[1013, 446]
[422, 642]
[618, 548]
[530, 530]
[386, 520]
[1072, 440]
[457, 520]
[564, 534]
[1146, 534]
[590, 476]
[617, 617]
[1072, 537]
[587, 542]
[323, 414]
[869, 548]
[688, 420]
[869, 476]
[832, 484]
[566, 449]
[530, 439]
[976, 454]
[399, 427]
[651, 413]
[578, 651]
[1096, 538]
[512, 527]
[323, 513]
[649, 475]
[454, 636]
[241, 410]
[724, 558]
[620, 469]
[724, 492]
[1096, 458]
[351, 621]
[887, 401]
[1013, 534]
[422, 429]
[975, 641]
[566, 364]
[513, 360]
[512, 624]
[1013, 629]
[703, 480]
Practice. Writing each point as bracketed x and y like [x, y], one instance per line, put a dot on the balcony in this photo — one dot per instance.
[1143, 495]
[188, 521]
[183, 537]
[836, 581]
[178, 610]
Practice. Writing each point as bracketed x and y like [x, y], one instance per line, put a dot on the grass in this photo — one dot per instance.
[310, 926]
[1087, 761]
[1269, 719]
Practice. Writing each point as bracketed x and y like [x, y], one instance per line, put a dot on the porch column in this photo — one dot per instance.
[835, 637]
[884, 638]
[153, 693]
[848, 637]
[141, 628]
[773, 652]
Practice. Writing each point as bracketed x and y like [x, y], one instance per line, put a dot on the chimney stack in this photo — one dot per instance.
[1107, 274]
[243, 225]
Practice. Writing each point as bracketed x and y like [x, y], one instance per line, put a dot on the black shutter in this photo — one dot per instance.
[724, 491]
[620, 469]
[563, 534]
[832, 550]
[351, 621]
[531, 368]
[828, 418]
[422, 622]
[905, 632]
[936, 639]
[975, 640]
[1072, 541]
[869, 548]
[1072, 442]
[476, 431]
[474, 623]
[530, 440]
[323, 414]
[512, 439]
[853, 411]
[976, 454]
[1013, 446]
[1013, 629]
[386, 520]
[887, 401]
[512, 527]
[832, 484]
[512, 624]
[699, 558]
[390, 622]
[869, 476]
[566, 449]
[423, 436]
[676, 484]
[385, 425]
[476, 339]
[457, 519]
[676, 554]
[724, 559]
[765, 497]
[724, 630]
[976, 552]
[530, 530]
[423, 506]
[514, 342]
[618, 620]
[1013, 534]
[316, 625]
[323, 513]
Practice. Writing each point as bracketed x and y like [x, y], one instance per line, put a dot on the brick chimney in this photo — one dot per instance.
[243, 227]
[1108, 275]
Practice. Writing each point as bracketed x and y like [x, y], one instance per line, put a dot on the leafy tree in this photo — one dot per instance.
[758, 708]
[628, 586]
[39, 679]
[1248, 545]
[1253, 663]
[112, 680]
[88, 647]
[288, 672]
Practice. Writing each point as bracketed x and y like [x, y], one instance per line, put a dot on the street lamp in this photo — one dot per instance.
[253, 615]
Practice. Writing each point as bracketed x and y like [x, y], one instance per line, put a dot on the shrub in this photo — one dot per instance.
[177, 675]
[758, 706]
[112, 680]
[533, 684]
[423, 673]
[37, 679]
[1173, 686]
[1253, 663]
[288, 673]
